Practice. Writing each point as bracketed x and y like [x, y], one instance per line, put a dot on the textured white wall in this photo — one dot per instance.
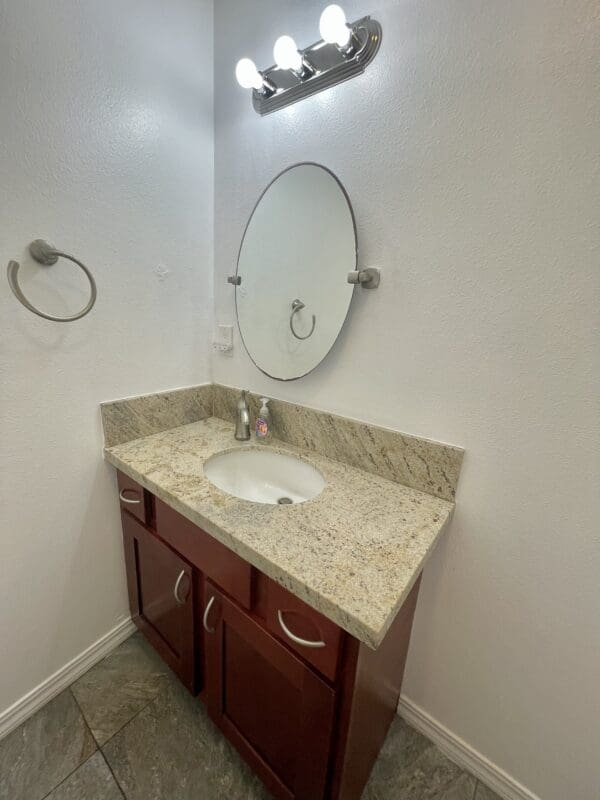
[470, 152]
[106, 149]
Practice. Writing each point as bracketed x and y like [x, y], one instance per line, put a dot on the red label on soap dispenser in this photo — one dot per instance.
[262, 428]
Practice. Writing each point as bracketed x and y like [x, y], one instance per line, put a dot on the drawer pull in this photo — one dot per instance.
[293, 637]
[178, 599]
[206, 613]
[129, 500]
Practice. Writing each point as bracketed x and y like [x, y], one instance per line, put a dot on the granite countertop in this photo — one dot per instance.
[353, 552]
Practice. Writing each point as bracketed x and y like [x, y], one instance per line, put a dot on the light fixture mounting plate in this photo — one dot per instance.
[331, 67]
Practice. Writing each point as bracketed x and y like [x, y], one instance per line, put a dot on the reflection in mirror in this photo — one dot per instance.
[298, 248]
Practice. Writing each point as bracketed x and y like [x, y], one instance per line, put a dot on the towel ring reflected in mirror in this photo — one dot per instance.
[298, 305]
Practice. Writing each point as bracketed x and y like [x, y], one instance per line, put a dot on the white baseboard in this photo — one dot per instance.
[14, 715]
[462, 753]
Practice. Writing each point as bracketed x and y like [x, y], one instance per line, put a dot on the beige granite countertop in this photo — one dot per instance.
[353, 552]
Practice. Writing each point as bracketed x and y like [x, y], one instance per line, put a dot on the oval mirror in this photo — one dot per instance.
[293, 295]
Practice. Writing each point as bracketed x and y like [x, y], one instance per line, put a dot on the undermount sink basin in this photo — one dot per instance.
[264, 476]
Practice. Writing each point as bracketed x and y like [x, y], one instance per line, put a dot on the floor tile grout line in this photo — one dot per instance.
[125, 724]
[115, 779]
[73, 771]
[112, 736]
[98, 747]
[86, 723]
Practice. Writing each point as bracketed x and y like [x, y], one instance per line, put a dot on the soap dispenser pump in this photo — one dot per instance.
[263, 421]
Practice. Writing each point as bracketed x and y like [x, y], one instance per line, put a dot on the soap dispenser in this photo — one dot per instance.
[263, 421]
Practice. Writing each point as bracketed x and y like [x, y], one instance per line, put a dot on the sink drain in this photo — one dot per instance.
[284, 501]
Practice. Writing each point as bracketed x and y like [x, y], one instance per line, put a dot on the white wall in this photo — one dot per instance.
[468, 150]
[106, 137]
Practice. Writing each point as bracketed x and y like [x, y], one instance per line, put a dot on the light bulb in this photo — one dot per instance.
[247, 75]
[286, 54]
[333, 28]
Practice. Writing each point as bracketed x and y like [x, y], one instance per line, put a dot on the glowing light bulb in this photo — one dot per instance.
[333, 28]
[286, 54]
[247, 75]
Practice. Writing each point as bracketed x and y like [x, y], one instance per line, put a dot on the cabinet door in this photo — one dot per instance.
[272, 706]
[161, 589]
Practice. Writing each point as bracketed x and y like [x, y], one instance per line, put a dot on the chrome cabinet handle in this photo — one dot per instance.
[298, 305]
[293, 637]
[127, 499]
[178, 599]
[206, 613]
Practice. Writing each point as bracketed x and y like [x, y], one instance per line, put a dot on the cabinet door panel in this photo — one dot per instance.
[161, 589]
[246, 673]
[272, 706]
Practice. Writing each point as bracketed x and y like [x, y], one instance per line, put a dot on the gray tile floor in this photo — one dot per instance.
[128, 729]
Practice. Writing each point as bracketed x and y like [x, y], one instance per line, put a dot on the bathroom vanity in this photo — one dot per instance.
[280, 580]
[290, 622]
[307, 705]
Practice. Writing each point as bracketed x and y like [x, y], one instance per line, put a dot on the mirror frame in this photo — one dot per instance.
[237, 268]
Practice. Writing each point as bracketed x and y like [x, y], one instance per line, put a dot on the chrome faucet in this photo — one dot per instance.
[242, 419]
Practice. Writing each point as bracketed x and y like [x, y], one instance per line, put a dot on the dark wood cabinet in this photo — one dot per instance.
[276, 710]
[306, 704]
[161, 597]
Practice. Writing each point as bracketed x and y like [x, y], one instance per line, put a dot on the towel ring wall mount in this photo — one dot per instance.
[47, 255]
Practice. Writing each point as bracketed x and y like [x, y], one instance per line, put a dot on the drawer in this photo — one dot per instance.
[307, 632]
[230, 572]
[134, 498]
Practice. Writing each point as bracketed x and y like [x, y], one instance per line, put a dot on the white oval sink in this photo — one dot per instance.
[264, 476]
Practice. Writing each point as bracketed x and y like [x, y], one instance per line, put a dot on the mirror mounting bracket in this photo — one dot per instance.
[368, 278]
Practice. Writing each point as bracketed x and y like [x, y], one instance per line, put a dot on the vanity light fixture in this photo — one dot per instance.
[287, 56]
[250, 78]
[334, 29]
[344, 51]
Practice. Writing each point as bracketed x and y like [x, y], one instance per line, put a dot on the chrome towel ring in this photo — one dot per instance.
[47, 255]
[298, 305]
